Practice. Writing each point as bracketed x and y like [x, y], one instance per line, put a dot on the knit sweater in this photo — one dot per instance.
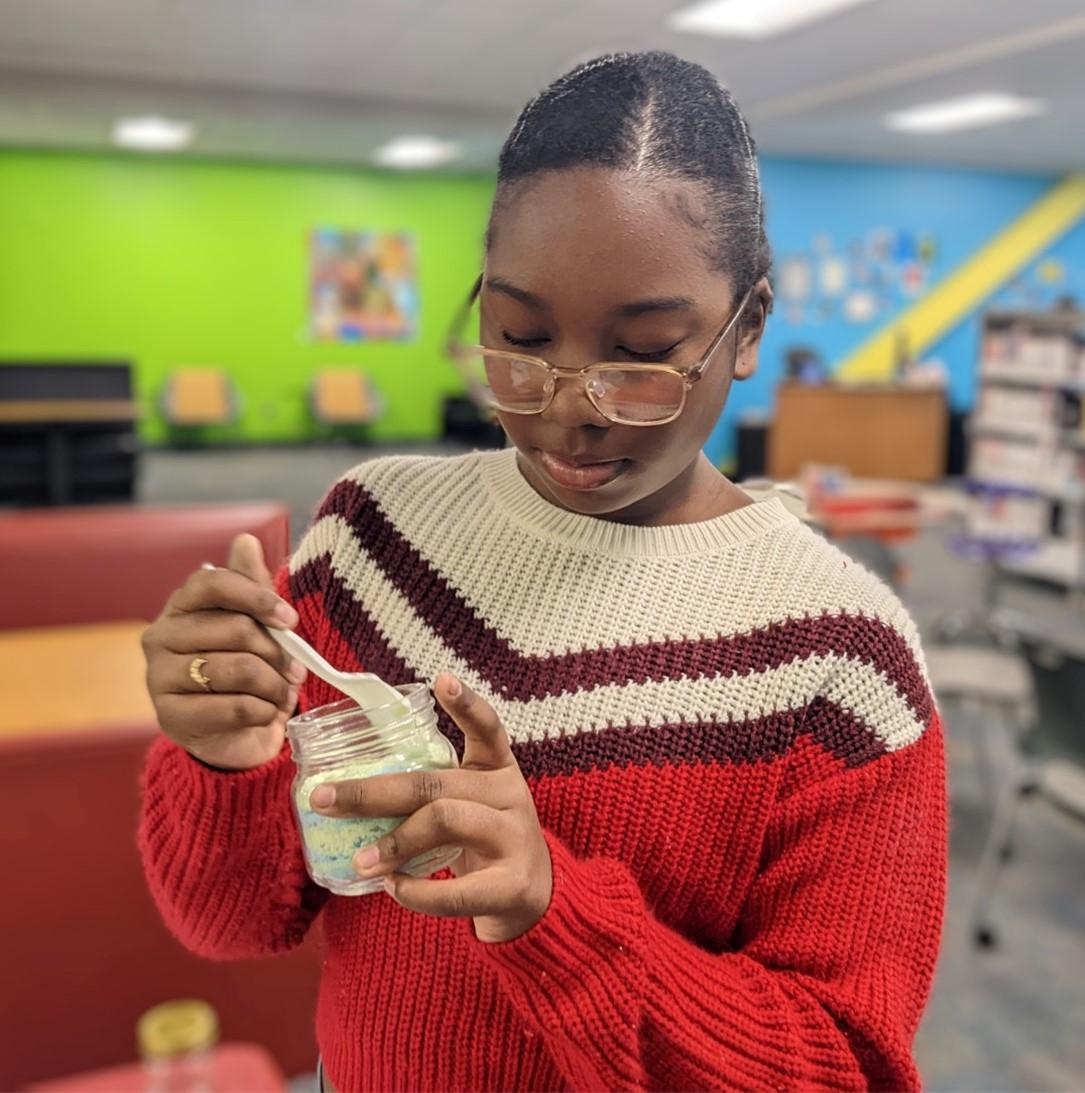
[730, 739]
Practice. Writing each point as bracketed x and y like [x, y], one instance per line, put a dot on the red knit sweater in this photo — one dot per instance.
[740, 780]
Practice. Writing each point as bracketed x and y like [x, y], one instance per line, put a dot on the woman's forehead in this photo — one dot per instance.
[616, 236]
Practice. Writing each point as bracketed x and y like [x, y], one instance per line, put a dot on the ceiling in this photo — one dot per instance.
[330, 80]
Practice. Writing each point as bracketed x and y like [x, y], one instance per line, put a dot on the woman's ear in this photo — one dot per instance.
[752, 326]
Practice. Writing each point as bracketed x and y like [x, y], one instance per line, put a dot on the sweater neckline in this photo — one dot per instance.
[514, 496]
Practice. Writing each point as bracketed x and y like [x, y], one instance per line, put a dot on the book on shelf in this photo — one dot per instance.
[1026, 464]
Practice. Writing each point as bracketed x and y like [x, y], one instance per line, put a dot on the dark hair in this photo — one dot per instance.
[656, 113]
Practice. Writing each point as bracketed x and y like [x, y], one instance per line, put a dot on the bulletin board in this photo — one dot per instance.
[860, 280]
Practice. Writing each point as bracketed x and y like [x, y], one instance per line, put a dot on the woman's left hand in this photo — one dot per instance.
[503, 878]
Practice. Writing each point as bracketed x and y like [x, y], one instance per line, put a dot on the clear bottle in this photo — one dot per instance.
[338, 742]
[176, 1041]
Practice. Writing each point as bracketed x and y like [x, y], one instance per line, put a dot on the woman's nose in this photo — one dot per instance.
[571, 406]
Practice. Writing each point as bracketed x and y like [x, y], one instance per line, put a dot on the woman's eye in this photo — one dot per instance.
[650, 355]
[524, 343]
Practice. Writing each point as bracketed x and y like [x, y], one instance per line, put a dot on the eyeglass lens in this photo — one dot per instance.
[635, 395]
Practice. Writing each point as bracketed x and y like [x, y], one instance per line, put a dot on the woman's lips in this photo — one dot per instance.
[585, 476]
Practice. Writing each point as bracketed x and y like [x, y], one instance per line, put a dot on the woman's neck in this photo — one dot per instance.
[700, 493]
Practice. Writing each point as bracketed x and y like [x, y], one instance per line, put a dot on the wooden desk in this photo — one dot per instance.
[68, 451]
[71, 677]
[875, 432]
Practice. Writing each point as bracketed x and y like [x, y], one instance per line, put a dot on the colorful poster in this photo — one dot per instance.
[362, 285]
[860, 306]
[833, 276]
[913, 279]
[796, 279]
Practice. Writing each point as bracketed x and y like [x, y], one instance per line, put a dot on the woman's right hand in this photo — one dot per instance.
[215, 616]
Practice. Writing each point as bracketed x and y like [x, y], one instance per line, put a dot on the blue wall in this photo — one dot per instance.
[819, 207]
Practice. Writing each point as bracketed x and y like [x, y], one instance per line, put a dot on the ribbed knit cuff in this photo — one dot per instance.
[238, 804]
[222, 854]
[601, 980]
[578, 973]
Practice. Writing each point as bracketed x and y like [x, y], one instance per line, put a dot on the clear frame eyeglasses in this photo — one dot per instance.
[625, 393]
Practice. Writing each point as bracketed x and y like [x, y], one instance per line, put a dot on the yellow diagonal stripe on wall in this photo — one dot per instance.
[949, 301]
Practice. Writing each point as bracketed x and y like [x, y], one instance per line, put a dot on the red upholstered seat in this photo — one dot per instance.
[85, 952]
[76, 565]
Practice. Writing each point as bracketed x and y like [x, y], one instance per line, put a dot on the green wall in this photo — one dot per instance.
[167, 262]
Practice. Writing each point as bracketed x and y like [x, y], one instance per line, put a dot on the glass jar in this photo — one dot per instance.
[176, 1040]
[337, 743]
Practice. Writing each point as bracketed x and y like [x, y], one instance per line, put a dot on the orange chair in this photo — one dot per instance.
[344, 396]
[199, 396]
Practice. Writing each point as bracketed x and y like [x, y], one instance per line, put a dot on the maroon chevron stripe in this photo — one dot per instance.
[756, 740]
[837, 730]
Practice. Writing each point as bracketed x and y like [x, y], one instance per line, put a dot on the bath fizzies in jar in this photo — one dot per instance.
[337, 743]
[332, 842]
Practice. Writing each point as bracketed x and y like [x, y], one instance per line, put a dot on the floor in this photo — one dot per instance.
[1007, 1019]
[297, 476]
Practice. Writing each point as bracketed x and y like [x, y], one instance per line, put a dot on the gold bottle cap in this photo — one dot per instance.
[175, 1028]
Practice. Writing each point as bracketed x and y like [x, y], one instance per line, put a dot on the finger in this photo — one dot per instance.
[247, 557]
[229, 673]
[486, 744]
[228, 631]
[478, 893]
[200, 715]
[444, 823]
[225, 590]
[402, 794]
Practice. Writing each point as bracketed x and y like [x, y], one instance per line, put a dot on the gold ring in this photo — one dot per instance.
[197, 676]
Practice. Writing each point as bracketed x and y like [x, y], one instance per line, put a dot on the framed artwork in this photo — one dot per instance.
[362, 285]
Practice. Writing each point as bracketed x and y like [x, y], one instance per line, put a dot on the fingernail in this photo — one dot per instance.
[285, 613]
[322, 797]
[367, 858]
[389, 886]
[296, 672]
[455, 687]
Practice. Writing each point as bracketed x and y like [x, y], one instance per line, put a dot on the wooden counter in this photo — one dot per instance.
[66, 411]
[875, 432]
[60, 678]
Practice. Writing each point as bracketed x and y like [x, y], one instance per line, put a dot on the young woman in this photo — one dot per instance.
[702, 796]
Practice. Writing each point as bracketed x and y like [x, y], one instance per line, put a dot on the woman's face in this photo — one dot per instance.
[592, 265]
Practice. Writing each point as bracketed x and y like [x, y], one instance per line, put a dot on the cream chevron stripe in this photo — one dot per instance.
[666, 613]
[859, 687]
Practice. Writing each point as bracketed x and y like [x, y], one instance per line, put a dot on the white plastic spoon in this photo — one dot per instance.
[380, 700]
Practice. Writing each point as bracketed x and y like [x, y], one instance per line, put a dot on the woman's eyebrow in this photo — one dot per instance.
[507, 288]
[659, 303]
[625, 311]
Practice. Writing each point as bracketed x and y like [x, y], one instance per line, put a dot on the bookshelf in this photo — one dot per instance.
[1026, 467]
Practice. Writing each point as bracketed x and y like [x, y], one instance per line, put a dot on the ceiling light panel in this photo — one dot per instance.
[755, 18]
[153, 134]
[416, 153]
[966, 112]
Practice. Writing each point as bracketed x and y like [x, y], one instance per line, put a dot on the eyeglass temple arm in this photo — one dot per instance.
[453, 340]
[699, 370]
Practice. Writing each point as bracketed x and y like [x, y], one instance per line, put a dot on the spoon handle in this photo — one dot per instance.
[302, 651]
[381, 701]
